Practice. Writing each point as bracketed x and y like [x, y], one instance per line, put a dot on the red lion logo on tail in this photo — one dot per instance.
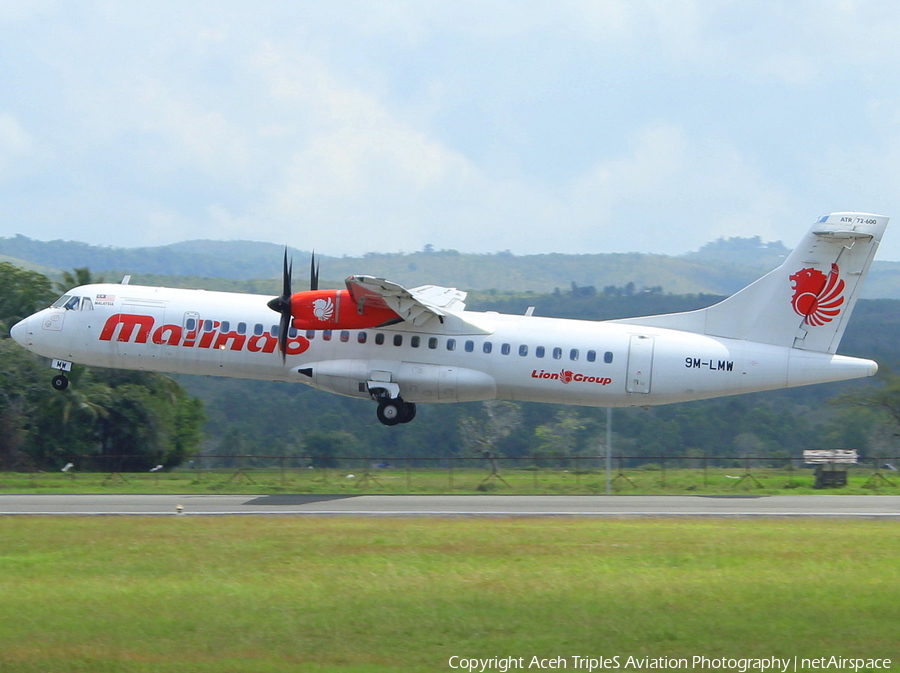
[817, 297]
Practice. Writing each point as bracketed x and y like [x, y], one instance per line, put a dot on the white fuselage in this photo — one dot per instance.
[469, 356]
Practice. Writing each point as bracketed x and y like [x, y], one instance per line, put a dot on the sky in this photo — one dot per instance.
[575, 126]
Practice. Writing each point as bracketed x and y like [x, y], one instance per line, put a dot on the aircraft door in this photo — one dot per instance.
[640, 364]
[139, 317]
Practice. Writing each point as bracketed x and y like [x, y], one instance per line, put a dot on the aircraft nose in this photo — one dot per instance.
[19, 332]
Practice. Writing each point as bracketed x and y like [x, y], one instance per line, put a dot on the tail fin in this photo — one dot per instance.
[806, 302]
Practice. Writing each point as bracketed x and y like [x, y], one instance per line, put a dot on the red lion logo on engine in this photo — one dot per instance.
[817, 297]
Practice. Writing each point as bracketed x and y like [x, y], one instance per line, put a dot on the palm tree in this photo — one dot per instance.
[81, 276]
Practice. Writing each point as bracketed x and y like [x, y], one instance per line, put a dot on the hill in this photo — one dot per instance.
[720, 267]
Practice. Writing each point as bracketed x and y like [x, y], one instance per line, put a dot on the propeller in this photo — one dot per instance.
[282, 305]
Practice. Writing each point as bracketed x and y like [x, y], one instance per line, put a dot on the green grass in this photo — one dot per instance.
[308, 594]
[417, 480]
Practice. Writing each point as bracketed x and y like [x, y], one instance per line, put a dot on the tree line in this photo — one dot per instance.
[140, 420]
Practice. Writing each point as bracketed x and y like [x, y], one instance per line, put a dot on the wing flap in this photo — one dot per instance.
[417, 305]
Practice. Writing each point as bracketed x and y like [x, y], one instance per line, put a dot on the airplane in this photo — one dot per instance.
[401, 347]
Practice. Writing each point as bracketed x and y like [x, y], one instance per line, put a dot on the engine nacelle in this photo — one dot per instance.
[336, 309]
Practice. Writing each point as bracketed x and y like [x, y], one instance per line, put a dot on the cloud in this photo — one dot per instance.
[478, 126]
[15, 142]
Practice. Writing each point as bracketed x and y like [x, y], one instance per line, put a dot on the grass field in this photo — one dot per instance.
[308, 594]
[714, 480]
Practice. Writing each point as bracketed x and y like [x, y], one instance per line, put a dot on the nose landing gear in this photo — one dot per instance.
[61, 381]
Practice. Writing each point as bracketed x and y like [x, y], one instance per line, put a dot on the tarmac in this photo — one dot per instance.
[874, 506]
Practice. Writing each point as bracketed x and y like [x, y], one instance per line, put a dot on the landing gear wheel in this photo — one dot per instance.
[391, 412]
[410, 412]
[60, 382]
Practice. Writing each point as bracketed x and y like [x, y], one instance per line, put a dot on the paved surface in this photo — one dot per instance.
[457, 505]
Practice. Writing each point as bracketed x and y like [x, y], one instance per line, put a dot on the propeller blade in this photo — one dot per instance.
[288, 270]
[283, 328]
[282, 305]
[313, 272]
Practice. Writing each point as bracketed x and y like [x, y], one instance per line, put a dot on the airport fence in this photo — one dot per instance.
[485, 473]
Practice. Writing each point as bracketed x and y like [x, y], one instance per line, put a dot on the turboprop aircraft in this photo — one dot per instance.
[401, 347]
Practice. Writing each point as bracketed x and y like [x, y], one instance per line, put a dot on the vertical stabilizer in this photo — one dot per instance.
[806, 302]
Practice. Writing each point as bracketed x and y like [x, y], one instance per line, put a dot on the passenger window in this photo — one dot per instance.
[539, 352]
[573, 354]
[488, 346]
[608, 357]
[432, 343]
[505, 348]
[523, 350]
[207, 325]
[398, 339]
[326, 334]
[361, 337]
[292, 332]
[274, 331]
[310, 334]
[345, 336]
[451, 344]
[379, 338]
[226, 326]
[591, 356]
[257, 328]
[414, 341]
[557, 353]
[470, 346]
[242, 328]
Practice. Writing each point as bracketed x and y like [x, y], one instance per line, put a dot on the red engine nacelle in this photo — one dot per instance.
[336, 309]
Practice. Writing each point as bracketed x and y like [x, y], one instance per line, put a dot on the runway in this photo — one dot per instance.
[454, 505]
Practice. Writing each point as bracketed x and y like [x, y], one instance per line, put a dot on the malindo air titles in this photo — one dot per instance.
[124, 327]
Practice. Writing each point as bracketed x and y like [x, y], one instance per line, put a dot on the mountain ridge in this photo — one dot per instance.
[720, 267]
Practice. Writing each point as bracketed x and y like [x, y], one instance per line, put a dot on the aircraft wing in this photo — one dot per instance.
[416, 305]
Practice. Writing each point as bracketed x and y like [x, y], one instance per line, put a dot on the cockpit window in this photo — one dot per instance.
[72, 303]
[68, 302]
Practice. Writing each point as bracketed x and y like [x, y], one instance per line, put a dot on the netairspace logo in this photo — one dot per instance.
[739, 664]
